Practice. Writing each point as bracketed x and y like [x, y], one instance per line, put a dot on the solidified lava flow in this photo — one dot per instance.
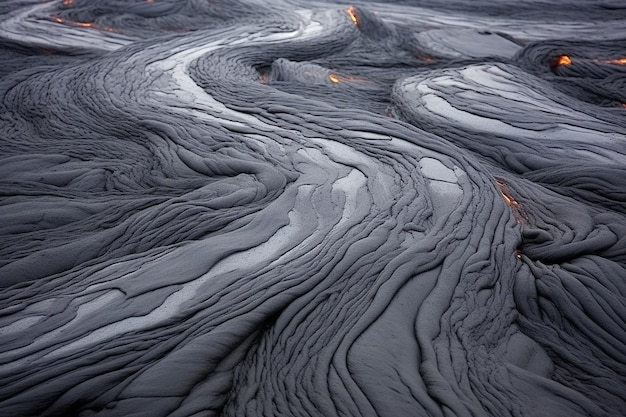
[290, 208]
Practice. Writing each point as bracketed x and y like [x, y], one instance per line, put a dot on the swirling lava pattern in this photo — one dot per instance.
[289, 208]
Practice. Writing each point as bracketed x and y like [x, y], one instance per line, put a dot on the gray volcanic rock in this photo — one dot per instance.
[312, 209]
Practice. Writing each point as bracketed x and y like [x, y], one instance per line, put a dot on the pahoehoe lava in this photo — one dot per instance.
[289, 208]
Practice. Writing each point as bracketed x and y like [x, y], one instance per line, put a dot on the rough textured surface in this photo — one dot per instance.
[218, 208]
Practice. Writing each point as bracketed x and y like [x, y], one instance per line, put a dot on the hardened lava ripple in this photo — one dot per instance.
[290, 208]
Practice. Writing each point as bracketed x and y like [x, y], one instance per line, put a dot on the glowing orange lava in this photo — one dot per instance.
[618, 61]
[352, 12]
[82, 24]
[564, 60]
[68, 3]
[337, 78]
[516, 208]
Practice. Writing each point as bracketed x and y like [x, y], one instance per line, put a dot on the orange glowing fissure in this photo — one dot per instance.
[334, 78]
[82, 24]
[516, 208]
[68, 3]
[618, 61]
[352, 12]
[566, 60]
